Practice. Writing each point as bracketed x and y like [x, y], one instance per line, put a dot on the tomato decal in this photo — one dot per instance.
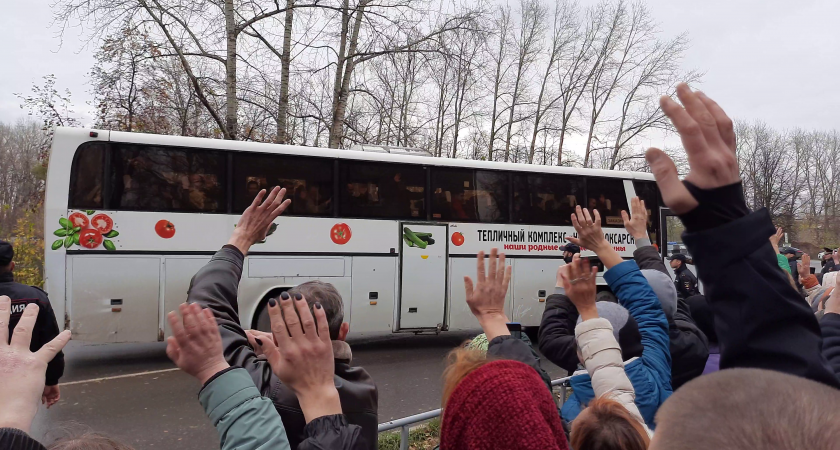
[165, 229]
[457, 239]
[102, 222]
[90, 238]
[340, 233]
[79, 220]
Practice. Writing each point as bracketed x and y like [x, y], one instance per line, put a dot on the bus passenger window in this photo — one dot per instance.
[607, 195]
[469, 195]
[308, 181]
[149, 178]
[546, 200]
[86, 176]
[380, 190]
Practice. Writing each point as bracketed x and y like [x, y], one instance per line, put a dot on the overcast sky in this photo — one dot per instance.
[773, 60]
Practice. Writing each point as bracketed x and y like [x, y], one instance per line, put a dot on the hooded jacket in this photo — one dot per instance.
[761, 320]
[689, 346]
[650, 373]
[215, 287]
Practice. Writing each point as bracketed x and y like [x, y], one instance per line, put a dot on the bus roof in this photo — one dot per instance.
[259, 147]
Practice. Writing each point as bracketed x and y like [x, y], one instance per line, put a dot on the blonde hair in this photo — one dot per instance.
[460, 363]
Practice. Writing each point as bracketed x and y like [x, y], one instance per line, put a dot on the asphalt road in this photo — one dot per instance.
[133, 392]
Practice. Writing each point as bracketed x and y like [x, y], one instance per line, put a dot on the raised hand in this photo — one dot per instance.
[636, 222]
[708, 137]
[486, 297]
[590, 236]
[776, 238]
[578, 279]
[804, 267]
[22, 372]
[195, 345]
[303, 357]
[835, 255]
[51, 395]
[257, 218]
[832, 305]
[253, 335]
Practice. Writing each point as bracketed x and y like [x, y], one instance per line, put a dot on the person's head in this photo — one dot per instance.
[607, 425]
[677, 260]
[789, 252]
[738, 409]
[253, 189]
[89, 441]
[497, 404]
[327, 295]
[625, 328]
[593, 203]
[664, 289]
[569, 251]
[7, 254]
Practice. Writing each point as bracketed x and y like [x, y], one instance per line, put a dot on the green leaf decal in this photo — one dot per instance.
[60, 232]
[57, 244]
[65, 223]
[109, 245]
[68, 241]
[112, 234]
[90, 212]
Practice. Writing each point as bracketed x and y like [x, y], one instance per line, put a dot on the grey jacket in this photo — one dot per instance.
[216, 287]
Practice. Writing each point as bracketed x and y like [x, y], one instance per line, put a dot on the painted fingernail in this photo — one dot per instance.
[298, 296]
[272, 302]
[317, 305]
[284, 295]
[259, 342]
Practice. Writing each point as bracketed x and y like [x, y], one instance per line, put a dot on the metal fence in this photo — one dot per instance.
[405, 423]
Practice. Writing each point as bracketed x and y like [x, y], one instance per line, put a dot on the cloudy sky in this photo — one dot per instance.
[773, 60]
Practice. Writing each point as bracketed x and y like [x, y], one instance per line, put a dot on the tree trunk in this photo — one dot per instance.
[341, 91]
[230, 72]
[285, 60]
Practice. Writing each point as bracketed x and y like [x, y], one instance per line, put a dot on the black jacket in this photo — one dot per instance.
[829, 266]
[508, 347]
[830, 327]
[685, 282]
[761, 320]
[689, 346]
[14, 439]
[557, 332]
[46, 327]
[215, 286]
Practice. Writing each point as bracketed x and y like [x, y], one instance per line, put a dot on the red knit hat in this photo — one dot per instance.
[502, 405]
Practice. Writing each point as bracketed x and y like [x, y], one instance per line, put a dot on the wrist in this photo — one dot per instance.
[210, 371]
[240, 241]
[14, 418]
[319, 401]
[494, 325]
[588, 312]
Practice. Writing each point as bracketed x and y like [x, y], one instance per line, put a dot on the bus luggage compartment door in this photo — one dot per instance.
[423, 256]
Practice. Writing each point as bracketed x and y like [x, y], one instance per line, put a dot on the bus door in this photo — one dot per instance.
[423, 256]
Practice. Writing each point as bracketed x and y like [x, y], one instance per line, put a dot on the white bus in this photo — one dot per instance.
[131, 217]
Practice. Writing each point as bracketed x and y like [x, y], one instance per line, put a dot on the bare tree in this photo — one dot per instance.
[502, 25]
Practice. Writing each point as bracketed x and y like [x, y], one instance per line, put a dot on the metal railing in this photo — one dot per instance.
[404, 424]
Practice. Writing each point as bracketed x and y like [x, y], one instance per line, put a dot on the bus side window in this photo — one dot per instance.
[470, 195]
[608, 197]
[148, 178]
[308, 181]
[546, 200]
[649, 193]
[379, 190]
[86, 176]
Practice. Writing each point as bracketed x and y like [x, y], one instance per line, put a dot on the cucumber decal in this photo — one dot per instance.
[417, 239]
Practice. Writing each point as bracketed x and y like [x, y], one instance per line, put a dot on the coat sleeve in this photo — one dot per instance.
[332, 433]
[635, 294]
[216, 287]
[648, 258]
[557, 332]
[244, 419]
[830, 327]
[508, 347]
[14, 439]
[602, 359]
[783, 262]
[760, 319]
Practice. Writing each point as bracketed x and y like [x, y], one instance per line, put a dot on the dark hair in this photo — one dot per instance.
[607, 426]
[89, 441]
[329, 298]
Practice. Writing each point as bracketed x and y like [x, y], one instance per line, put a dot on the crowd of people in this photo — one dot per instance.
[752, 363]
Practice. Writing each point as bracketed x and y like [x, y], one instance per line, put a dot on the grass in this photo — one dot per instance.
[422, 437]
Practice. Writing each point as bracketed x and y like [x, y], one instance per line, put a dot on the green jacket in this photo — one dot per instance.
[783, 262]
[244, 419]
